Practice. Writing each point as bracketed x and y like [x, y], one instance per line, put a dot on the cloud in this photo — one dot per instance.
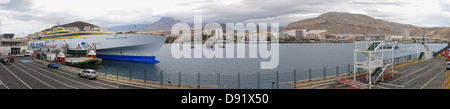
[38, 15]
[16, 5]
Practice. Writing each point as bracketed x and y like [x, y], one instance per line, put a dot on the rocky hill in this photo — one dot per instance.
[78, 24]
[348, 23]
[163, 25]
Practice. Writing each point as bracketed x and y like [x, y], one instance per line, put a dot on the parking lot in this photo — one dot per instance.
[26, 74]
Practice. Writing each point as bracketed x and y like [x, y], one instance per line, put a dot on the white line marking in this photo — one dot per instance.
[1, 83]
[392, 85]
[34, 77]
[92, 81]
[382, 87]
[65, 77]
[17, 77]
[50, 77]
[409, 74]
[420, 75]
[432, 79]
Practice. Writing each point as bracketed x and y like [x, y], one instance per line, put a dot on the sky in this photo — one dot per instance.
[24, 17]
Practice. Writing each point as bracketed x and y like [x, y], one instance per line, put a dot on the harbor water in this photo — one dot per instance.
[243, 72]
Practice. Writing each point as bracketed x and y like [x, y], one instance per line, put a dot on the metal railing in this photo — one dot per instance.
[226, 80]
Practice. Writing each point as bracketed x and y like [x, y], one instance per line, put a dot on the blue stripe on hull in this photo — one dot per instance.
[148, 59]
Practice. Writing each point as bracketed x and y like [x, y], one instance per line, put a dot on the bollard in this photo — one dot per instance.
[310, 74]
[259, 78]
[218, 80]
[277, 80]
[179, 80]
[295, 78]
[239, 80]
[198, 86]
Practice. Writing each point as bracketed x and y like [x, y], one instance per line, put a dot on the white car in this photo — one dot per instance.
[88, 74]
[448, 65]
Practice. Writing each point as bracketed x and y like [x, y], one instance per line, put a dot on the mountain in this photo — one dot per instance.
[129, 27]
[163, 25]
[78, 24]
[348, 23]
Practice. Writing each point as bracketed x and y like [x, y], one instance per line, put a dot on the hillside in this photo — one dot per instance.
[348, 23]
[163, 25]
[78, 24]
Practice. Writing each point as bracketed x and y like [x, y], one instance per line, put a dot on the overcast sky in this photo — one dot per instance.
[28, 16]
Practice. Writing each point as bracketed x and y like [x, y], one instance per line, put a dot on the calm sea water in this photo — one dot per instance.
[299, 56]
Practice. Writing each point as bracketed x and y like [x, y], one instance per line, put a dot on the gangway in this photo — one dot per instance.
[372, 48]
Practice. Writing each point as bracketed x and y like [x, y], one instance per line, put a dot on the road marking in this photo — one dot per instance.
[17, 77]
[34, 77]
[382, 87]
[1, 83]
[50, 77]
[432, 79]
[392, 85]
[409, 74]
[92, 81]
[420, 75]
[65, 77]
[58, 70]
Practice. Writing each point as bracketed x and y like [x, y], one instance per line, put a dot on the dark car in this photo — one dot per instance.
[53, 65]
[11, 59]
[5, 61]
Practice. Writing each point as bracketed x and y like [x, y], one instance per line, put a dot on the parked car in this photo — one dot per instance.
[5, 61]
[88, 74]
[53, 65]
[11, 59]
[448, 65]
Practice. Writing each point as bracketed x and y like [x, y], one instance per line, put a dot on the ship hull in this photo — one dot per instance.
[137, 48]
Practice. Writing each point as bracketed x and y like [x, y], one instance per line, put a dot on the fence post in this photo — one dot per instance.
[130, 74]
[198, 86]
[106, 70]
[337, 70]
[348, 68]
[295, 78]
[145, 75]
[259, 80]
[218, 80]
[277, 79]
[310, 74]
[162, 77]
[239, 80]
[179, 80]
[324, 72]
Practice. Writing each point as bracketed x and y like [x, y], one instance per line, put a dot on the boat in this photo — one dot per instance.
[108, 45]
[390, 46]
